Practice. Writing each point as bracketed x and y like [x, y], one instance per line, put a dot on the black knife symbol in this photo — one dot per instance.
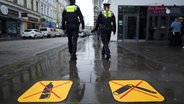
[143, 89]
[126, 87]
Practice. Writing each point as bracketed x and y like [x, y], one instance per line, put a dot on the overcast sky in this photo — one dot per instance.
[86, 7]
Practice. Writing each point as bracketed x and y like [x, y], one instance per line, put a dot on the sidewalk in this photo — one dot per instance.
[9, 38]
[158, 52]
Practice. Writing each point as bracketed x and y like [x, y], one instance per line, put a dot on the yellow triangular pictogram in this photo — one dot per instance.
[134, 91]
[47, 91]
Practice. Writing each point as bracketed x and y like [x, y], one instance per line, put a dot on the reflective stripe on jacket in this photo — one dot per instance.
[109, 14]
[71, 8]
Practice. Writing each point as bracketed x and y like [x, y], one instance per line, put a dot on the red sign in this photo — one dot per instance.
[157, 9]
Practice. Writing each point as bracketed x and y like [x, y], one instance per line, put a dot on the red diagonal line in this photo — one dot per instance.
[146, 93]
[137, 90]
[32, 95]
[131, 89]
[42, 91]
[50, 90]
[61, 84]
[117, 83]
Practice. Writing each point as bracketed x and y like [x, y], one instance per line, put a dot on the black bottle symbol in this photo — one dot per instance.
[47, 91]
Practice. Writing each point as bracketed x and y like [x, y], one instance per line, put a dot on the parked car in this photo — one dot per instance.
[48, 32]
[59, 33]
[32, 33]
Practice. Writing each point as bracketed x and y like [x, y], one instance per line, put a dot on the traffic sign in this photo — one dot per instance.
[47, 91]
[134, 91]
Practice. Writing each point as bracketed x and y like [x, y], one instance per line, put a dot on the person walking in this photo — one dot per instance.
[181, 19]
[175, 32]
[106, 20]
[71, 20]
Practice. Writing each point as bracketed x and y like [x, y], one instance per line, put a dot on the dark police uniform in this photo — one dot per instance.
[70, 23]
[107, 25]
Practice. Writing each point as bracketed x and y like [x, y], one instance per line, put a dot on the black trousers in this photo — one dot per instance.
[105, 37]
[175, 38]
[72, 33]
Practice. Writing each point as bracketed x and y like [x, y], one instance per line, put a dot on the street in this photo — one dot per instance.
[91, 74]
[13, 51]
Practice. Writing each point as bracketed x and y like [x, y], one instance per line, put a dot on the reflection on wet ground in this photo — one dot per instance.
[91, 74]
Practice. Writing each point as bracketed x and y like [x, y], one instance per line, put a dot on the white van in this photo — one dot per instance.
[60, 33]
[48, 32]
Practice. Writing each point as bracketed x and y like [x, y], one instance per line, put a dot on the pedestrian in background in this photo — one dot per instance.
[181, 19]
[70, 25]
[106, 20]
[175, 32]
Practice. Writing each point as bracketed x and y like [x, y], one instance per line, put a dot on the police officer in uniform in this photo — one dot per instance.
[71, 19]
[106, 21]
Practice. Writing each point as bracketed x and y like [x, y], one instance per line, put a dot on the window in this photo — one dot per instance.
[15, 1]
[54, 13]
[54, 2]
[48, 11]
[25, 3]
[32, 5]
[43, 29]
[37, 6]
[42, 8]
[27, 30]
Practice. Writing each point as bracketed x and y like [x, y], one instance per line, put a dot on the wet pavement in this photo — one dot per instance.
[154, 62]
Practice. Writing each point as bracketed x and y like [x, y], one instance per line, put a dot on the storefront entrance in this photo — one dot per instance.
[146, 22]
[159, 19]
[158, 27]
[131, 23]
[130, 27]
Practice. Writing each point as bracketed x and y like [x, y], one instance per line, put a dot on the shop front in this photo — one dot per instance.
[47, 22]
[131, 23]
[33, 23]
[9, 22]
[29, 21]
[159, 19]
[146, 22]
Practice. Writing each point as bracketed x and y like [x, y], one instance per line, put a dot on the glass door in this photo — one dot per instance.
[158, 27]
[131, 27]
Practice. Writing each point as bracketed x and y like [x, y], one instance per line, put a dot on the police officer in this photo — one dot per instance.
[71, 19]
[106, 21]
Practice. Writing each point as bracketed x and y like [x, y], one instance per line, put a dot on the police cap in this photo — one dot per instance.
[72, 1]
[106, 4]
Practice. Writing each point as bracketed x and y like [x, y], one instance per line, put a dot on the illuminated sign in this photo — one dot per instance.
[157, 9]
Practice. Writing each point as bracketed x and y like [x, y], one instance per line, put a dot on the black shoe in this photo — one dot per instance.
[73, 58]
[103, 56]
[107, 58]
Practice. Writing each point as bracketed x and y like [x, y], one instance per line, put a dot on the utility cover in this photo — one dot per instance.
[134, 91]
[47, 91]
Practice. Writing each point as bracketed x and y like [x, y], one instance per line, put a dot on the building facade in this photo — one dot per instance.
[97, 8]
[145, 19]
[18, 15]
